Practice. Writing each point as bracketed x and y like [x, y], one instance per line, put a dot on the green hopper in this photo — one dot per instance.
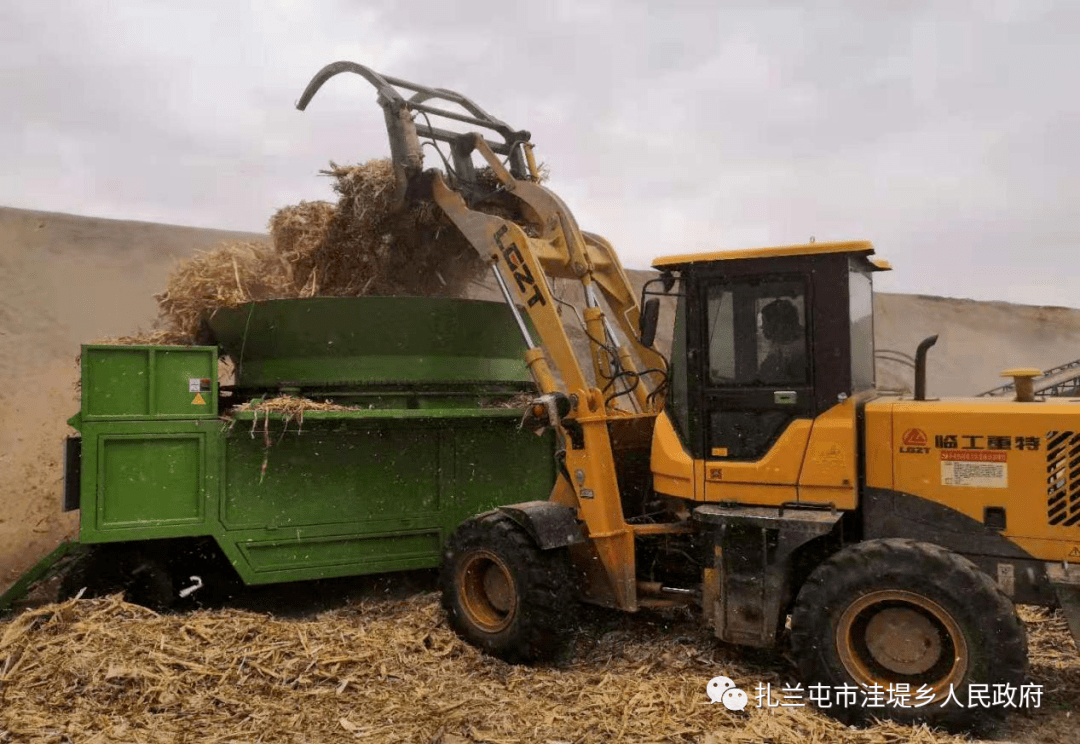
[181, 496]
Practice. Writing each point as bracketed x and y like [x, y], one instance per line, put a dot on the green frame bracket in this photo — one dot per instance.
[43, 569]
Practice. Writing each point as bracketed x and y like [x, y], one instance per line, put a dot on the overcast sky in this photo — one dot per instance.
[942, 131]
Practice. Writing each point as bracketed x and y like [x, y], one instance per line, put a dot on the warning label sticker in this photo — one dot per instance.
[199, 400]
[198, 384]
[974, 469]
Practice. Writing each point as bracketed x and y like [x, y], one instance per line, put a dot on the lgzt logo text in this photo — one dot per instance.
[522, 274]
[914, 442]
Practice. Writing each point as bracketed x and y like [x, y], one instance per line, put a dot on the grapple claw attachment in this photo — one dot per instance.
[406, 132]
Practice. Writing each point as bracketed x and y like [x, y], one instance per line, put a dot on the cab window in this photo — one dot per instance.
[861, 297]
[757, 334]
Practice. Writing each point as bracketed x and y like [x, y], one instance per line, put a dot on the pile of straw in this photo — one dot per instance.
[360, 246]
[292, 407]
[230, 275]
[1048, 636]
[381, 670]
[417, 251]
[518, 401]
[156, 337]
[289, 407]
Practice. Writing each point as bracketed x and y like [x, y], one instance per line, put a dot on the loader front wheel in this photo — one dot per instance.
[503, 594]
[898, 616]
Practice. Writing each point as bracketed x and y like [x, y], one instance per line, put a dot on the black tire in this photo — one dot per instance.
[103, 570]
[904, 612]
[503, 594]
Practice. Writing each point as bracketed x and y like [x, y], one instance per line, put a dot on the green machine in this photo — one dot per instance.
[181, 495]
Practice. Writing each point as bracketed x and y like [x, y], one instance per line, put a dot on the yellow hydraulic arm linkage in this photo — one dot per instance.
[538, 243]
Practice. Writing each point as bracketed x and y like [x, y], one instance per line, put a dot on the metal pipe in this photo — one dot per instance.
[622, 362]
[610, 331]
[425, 89]
[451, 115]
[513, 307]
[656, 588]
[1025, 389]
[530, 159]
[592, 300]
[424, 93]
[381, 84]
[447, 136]
[920, 366]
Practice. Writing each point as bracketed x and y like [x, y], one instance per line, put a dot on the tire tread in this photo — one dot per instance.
[542, 629]
[940, 572]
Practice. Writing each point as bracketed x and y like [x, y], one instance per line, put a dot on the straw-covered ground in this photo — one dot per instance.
[387, 669]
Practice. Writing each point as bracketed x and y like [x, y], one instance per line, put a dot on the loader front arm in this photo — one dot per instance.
[530, 239]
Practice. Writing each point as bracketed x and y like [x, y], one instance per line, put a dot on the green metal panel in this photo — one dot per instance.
[148, 479]
[348, 492]
[348, 553]
[329, 473]
[498, 464]
[129, 382]
[365, 491]
[325, 341]
[115, 381]
[185, 382]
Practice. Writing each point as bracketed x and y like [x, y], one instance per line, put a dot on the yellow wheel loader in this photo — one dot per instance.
[757, 474]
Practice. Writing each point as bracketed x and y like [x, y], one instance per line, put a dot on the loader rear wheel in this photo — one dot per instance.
[503, 594]
[899, 612]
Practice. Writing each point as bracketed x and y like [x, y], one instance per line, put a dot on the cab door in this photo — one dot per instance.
[756, 376]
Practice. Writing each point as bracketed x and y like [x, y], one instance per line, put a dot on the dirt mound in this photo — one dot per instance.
[977, 340]
[64, 280]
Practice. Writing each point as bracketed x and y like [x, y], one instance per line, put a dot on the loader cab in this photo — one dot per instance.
[765, 337]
